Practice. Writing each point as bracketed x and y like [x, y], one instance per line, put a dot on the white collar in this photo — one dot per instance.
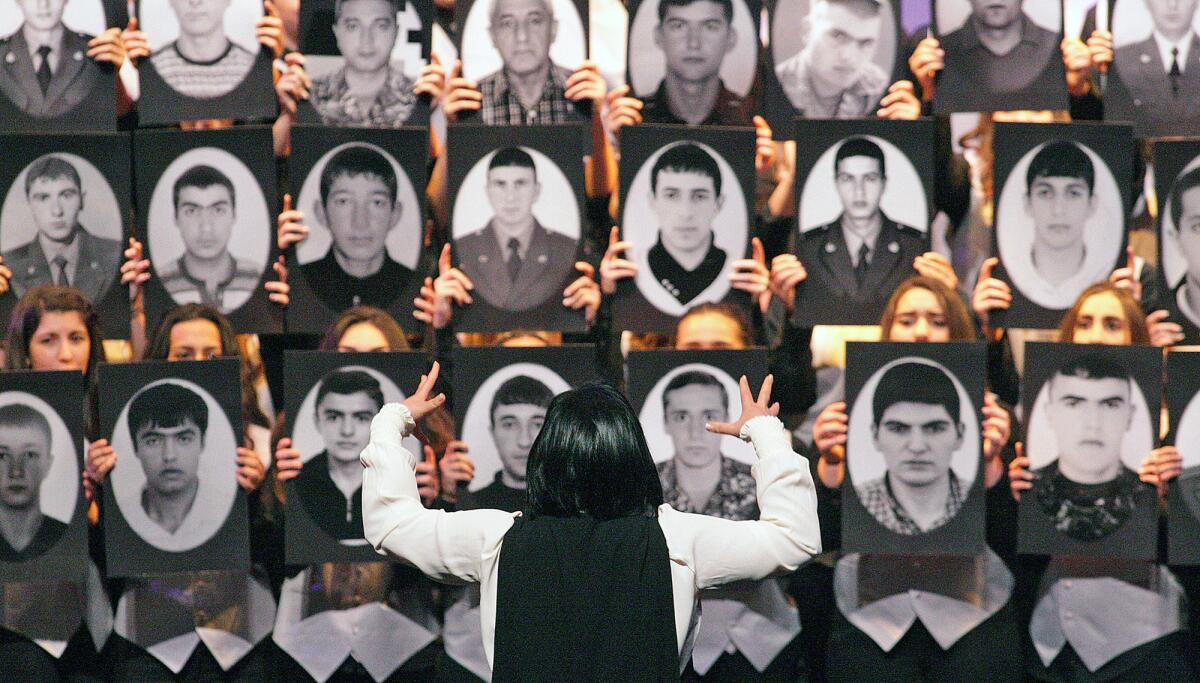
[1165, 46]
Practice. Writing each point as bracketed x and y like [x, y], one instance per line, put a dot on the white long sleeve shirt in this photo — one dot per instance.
[464, 547]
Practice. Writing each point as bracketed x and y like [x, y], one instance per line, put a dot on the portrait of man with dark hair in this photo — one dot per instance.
[698, 477]
[862, 256]
[695, 36]
[25, 459]
[205, 211]
[63, 252]
[202, 62]
[515, 417]
[45, 69]
[359, 204]
[369, 89]
[1157, 82]
[685, 195]
[515, 263]
[917, 426]
[1184, 205]
[168, 425]
[1087, 490]
[834, 75]
[330, 483]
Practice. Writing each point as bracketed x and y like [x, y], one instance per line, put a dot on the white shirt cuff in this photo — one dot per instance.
[767, 434]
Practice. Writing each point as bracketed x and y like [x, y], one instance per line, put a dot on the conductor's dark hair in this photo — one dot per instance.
[1093, 366]
[726, 7]
[690, 377]
[520, 390]
[1061, 159]
[201, 177]
[358, 160]
[51, 167]
[687, 158]
[166, 405]
[512, 156]
[346, 382]
[915, 383]
[591, 459]
[1185, 182]
[859, 147]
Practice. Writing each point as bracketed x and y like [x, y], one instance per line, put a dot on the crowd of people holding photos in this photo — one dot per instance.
[942, 256]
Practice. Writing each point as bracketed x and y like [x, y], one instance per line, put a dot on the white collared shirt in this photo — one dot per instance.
[705, 552]
[854, 242]
[1165, 46]
[55, 45]
[750, 617]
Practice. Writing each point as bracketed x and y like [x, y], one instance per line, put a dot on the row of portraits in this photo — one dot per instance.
[914, 449]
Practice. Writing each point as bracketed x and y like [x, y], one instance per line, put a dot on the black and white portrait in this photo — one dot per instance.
[686, 214]
[519, 244]
[205, 61]
[365, 220]
[47, 79]
[863, 215]
[209, 221]
[1091, 424]
[913, 450]
[501, 396]
[175, 500]
[838, 64]
[676, 394]
[1183, 494]
[1000, 55]
[1060, 217]
[1154, 80]
[694, 61]
[1177, 179]
[334, 396]
[514, 49]
[364, 58]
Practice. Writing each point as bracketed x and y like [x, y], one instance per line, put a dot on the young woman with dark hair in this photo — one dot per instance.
[597, 579]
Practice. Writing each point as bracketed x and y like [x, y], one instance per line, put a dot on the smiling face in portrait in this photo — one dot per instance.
[359, 211]
[686, 411]
[55, 204]
[512, 191]
[514, 428]
[205, 216]
[60, 342]
[842, 40]
[917, 441]
[42, 15]
[344, 422]
[860, 183]
[1060, 207]
[1172, 18]
[1090, 418]
[523, 31]
[686, 204]
[996, 13]
[694, 39]
[919, 317]
[200, 17]
[366, 32]
[24, 462]
[170, 456]
[1188, 229]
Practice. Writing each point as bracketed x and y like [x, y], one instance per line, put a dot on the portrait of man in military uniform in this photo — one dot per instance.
[1155, 82]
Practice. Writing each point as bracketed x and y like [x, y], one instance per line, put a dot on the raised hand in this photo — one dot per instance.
[108, 47]
[287, 460]
[101, 458]
[294, 84]
[786, 274]
[464, 94]
[1100, 49]
[432, 81]
[279, 291]
[289, 226]
[1160, 467]
[764, 145]
[1077, 59]
[137, 44]
[900, 103]
[1126, 276]
[135, 272]
[751, 408]
[583, 292]
[931, 264]
[250, 470]
[456, 468]
[1163, 332]
[427, 477]
[991, 294]
[586, 84]
[614, 266]
[752, 276]
[926, 61]
[623, 110]
[269, 29]
[5, 277]
[1019, 477]
[420, 403]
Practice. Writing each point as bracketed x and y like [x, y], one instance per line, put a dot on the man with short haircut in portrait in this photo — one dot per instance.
[62, 252]
[514, 262]
[360, 206]
[917, 427]
[685, 194]
[1185, 214]
[1159, 77]
[369, 90]
[202, 62]
[205, 212]
[168, 424]
[330, 484]
[25, 459]
[834, 76]
[695, 36]
[528, 88]
[1087, 490]
[515, 416]
[44, 66]
[999, 50]
[863, 255]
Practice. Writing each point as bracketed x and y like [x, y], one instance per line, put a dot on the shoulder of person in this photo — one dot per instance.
[908, 232]
[816, 236]
[558, 239]
[246, 268]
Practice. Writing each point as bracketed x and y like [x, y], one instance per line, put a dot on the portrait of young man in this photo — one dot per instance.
[528, 83]
[863, 255]
[917, 427]
[369, 89]
[698, 477]
[834, 75]
[515, 263]
[516, 414]
[168, 424]
[330, 483]
[695, 36]
[1087, 491]
[685, 195]
[1001, 59]
[360, 206]
[205, 212]
[63, 252]
[25, 459]
[45, 70]
[202, 62]
[1185, 233]
[1157, 82]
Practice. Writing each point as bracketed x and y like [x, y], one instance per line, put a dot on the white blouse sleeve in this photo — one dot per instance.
[446, 546]
[784, 536]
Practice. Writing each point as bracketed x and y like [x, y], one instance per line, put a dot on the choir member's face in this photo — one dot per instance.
[359, 211]
[197, 339]
[1102, 320]
[917, 441]
[42, 15]
[842, 43]
[363, 338]
[200, 17]
[523, 31]
[205, 216]
[55, 204]
[170, 456]
[511, 191]
[694, 39]
[919, 317]
[366, 32]
[24, 462]
[996, 13]
[514, 429]
[344, 421]
[1060, 207]
[1090, 418]
[1189, 229]
[1172, 17]
[708, 331]
[688, 409]
[685, 203]
[860, 183]
[60, 342]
